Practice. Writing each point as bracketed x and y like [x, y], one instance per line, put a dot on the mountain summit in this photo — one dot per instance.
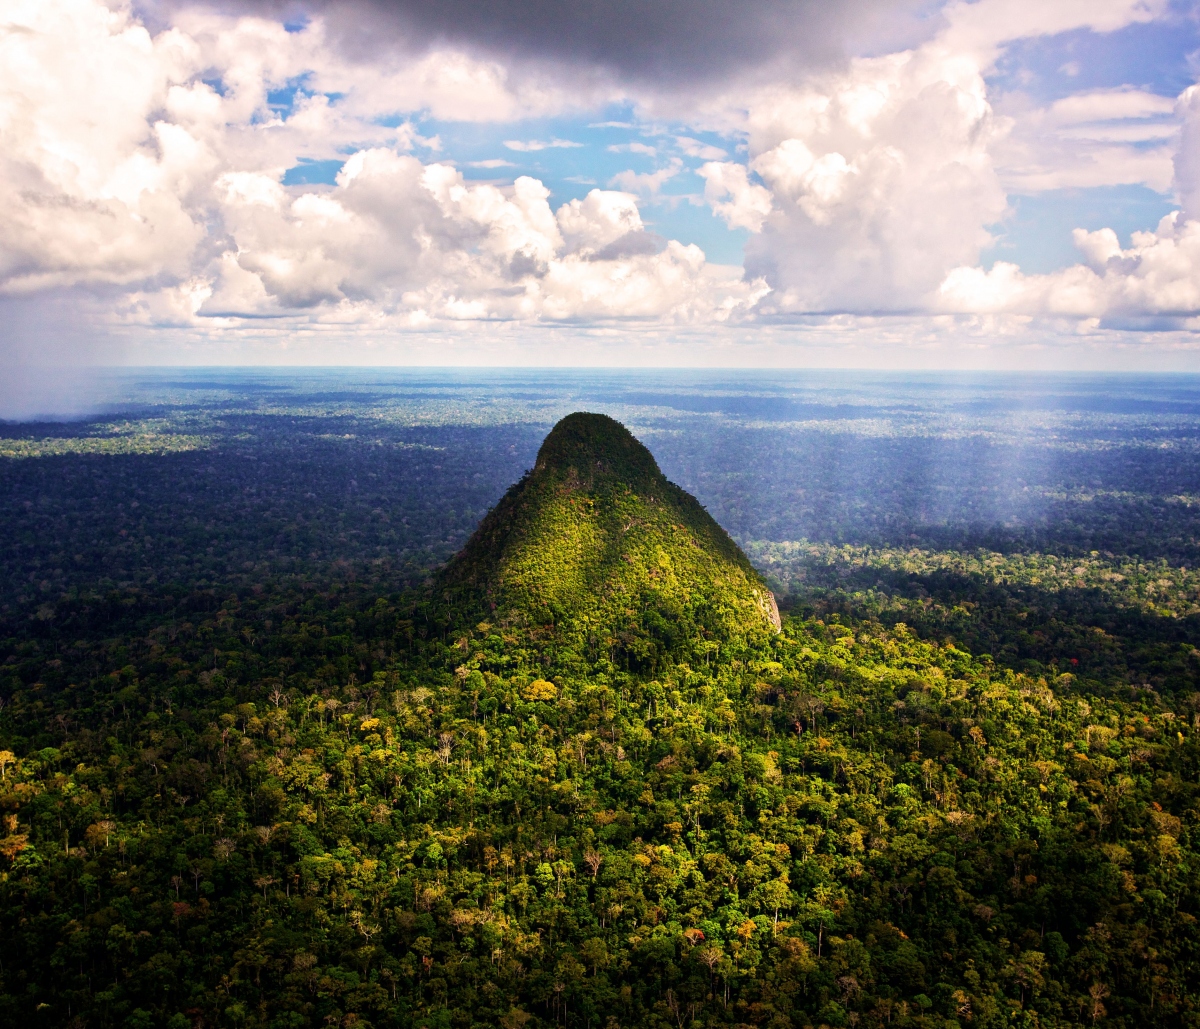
[596, 542]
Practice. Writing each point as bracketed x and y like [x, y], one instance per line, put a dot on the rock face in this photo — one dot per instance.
[771, 610]
[597, 543]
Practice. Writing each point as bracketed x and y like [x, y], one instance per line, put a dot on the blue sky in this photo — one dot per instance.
[1159, 57]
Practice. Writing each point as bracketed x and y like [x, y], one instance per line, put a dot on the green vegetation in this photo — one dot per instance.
[285, 801]
[271, 499]
[1110, 620]
[596, 543]
[1153, 587]
[139, 443]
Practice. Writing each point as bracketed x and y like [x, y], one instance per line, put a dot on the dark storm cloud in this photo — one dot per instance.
[643, 39]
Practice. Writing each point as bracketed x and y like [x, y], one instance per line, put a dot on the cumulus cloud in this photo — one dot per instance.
[1187, 155]
[866, 186]
[1153, 283]
[94, 189]
[155, 162]
[598, 220]
[417, 242]
[880, 179]
[115, 146]
[151, 164]
[1159, 274]
[742, 204]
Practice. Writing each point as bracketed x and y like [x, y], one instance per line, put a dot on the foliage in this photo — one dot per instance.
[272, 498]
[1114, 621]
[306, 809]
[1152, 587]
[596, 548]
[253, 773]
[124, 443]
[842, 824]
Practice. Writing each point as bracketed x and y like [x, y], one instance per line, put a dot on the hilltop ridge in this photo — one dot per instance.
[595, 541]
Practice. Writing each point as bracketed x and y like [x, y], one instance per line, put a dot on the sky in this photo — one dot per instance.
[875, 183]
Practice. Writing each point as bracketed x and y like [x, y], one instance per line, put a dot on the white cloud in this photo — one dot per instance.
[120, 165]
[1159, 274]
[114, 148]
[881, 179]
[728, 189]
[1097, 138]
[981, 26]
[537, 144]
[403, 240]
[695, 148]
[633, 148]
[1187, 156]
[867, 190]
[647, 183]
[91, 188]
[598, 220]
[1109, 105]
[1126, 133]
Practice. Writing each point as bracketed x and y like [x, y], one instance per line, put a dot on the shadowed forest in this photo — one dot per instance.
[264, 763]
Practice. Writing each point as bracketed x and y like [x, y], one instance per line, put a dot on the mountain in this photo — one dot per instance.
[596, 542]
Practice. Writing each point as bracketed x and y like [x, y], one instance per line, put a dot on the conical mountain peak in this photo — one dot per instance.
[591, 446]
[598, 544]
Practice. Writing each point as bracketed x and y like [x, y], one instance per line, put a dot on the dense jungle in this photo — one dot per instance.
[326, 701]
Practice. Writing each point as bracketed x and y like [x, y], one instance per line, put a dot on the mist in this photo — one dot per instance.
[51, 361]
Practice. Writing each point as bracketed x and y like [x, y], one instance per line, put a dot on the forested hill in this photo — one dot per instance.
[323, 804]
[595, 541]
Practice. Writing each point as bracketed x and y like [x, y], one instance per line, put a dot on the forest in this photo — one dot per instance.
[265, 760]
